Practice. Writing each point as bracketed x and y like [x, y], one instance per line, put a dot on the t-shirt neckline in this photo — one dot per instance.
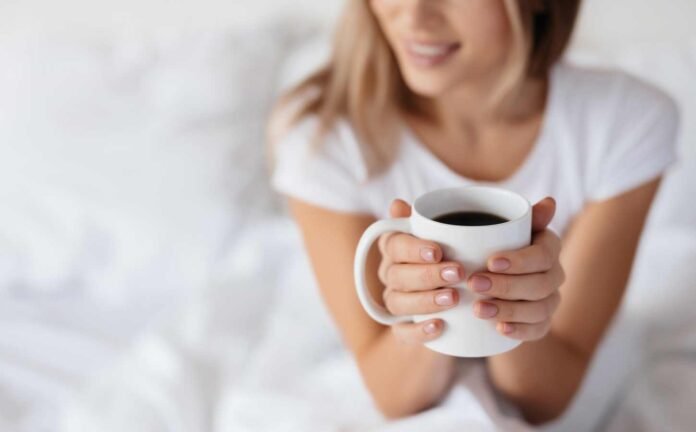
[526, 165]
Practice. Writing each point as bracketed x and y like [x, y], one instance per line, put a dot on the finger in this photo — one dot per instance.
[530, 287]
[419, 303]
[417, 333]
[384, 266]
[382, 243]
[399, 208]
[542, 214]
[524, 332]
[530, 312]
[421, 277]
[405, 248]
[539, 257]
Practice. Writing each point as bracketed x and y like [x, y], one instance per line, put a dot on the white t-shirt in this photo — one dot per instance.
[603, 134]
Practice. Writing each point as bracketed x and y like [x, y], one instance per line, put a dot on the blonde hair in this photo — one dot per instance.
[362, 82]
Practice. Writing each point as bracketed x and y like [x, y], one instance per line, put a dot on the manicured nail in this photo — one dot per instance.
[500, 264]
[444, 299]
[430, 328]
[487, 310]
[508, 328]
[450, 274]
[480, 283]
[428, 254]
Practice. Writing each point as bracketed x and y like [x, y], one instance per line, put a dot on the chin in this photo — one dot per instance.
[428, 85]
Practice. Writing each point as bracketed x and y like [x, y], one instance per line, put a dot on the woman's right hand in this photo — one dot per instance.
[416, 280]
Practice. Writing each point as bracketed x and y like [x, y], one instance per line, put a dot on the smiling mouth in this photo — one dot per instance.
[430, 54]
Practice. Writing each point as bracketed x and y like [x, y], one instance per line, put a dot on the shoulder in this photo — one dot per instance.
[623, 128]
[611, 94]
[337, 146]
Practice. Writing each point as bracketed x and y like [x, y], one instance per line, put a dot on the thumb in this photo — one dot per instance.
[542, 214]
[399, 209]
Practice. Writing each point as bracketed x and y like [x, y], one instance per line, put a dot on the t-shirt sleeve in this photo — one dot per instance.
[326, 173]
[641, 143]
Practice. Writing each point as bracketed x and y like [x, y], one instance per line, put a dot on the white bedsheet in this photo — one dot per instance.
[258, 352]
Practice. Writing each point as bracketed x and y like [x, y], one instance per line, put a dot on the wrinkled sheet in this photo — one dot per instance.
[258, 352]
[245, 359]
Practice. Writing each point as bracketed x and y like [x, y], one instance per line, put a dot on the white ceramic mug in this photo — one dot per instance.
[464, 334]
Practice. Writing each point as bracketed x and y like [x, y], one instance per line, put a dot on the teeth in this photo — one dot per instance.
[429, 50]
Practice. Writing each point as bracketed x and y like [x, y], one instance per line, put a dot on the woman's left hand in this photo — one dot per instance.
[523, 283]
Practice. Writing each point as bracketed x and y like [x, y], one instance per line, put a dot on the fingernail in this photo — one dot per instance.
[480, 283]
[508, 328]
[428, 254]
[430, 328]
[500, 264]
[444, 299]
[487, 310]
[450, 274]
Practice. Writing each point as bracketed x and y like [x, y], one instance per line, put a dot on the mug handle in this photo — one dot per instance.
[371, 234]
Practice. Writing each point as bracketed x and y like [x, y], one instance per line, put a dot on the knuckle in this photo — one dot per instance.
[521, 332]
[525, 259]
[556, 302]
[381, 243]
[531, 332]
[506, 312]
[546, 286]
[545, 309]
[392, 276]
[388, 298]
[397, 303]
[383, 272]
[429, 276]
[547, 257]
[504, 285]
[394, 244]
[561, 275]
[549, 307]
[542, 330]
[392, 302]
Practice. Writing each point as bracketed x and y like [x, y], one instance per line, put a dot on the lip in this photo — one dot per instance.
[430, 54]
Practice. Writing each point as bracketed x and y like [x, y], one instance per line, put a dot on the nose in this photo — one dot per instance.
[422, 14]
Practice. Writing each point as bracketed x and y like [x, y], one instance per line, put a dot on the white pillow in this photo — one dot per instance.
[128, 163]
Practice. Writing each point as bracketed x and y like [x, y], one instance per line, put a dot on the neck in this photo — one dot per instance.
[469, 107]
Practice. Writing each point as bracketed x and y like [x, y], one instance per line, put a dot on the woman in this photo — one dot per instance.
[424, 94]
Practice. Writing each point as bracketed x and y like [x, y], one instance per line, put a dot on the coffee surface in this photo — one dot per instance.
[470, 218]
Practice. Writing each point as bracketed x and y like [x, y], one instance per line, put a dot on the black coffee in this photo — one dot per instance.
[470, 218]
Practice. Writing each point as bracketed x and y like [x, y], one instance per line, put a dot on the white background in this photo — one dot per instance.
[607, 21]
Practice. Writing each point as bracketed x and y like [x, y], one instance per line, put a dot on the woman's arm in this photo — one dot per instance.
[402, 378]
[541, 377]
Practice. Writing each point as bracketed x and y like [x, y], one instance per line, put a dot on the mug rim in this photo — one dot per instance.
[528, 205]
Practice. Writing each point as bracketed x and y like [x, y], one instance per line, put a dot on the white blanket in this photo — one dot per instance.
[258, 352]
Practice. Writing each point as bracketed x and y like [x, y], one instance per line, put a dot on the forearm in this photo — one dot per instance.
[539, 377]
[542, 377]
[405, 379]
